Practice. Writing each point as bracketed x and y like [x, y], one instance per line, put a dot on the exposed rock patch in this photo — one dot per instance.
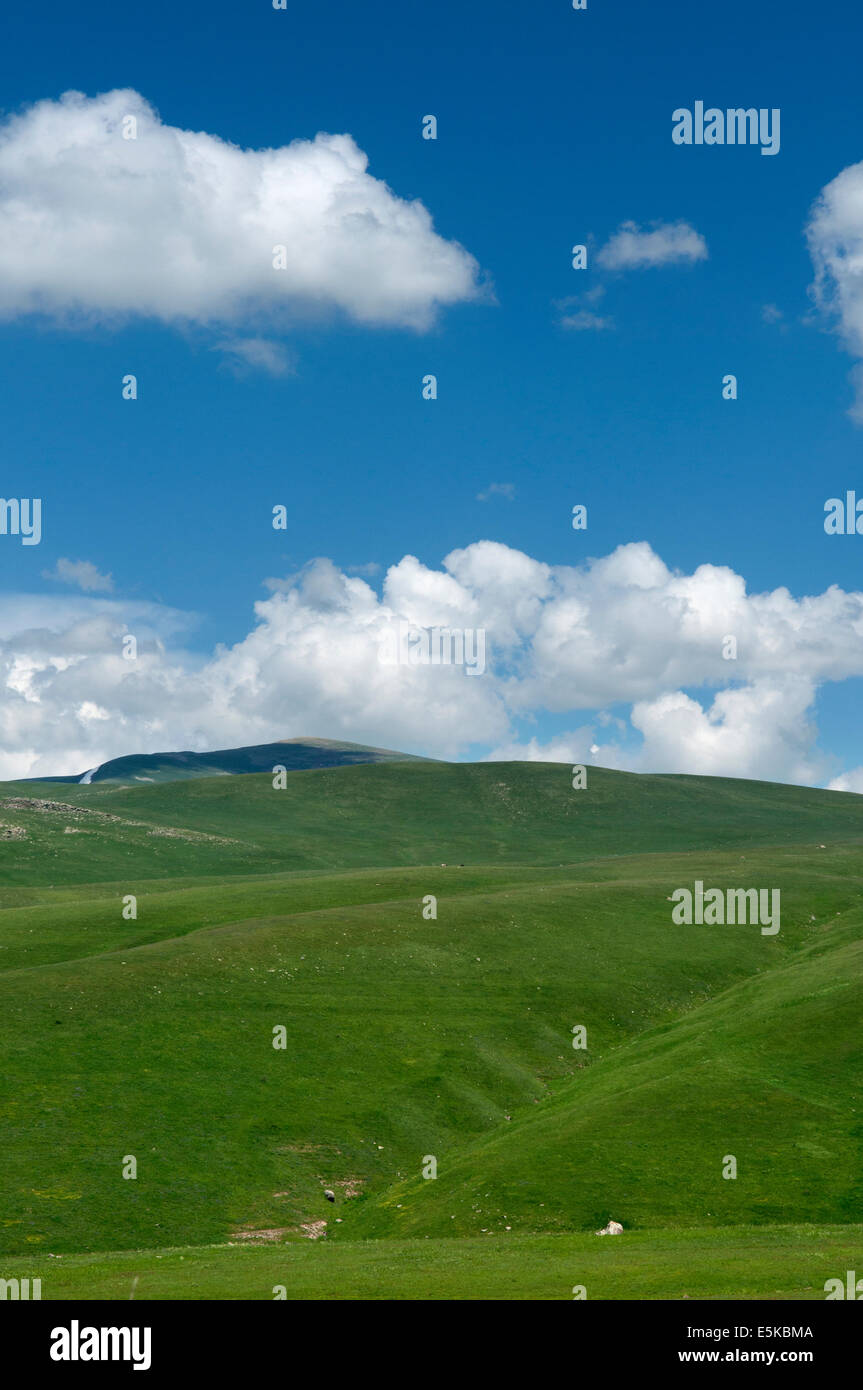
[62, 808]
[269, 1234]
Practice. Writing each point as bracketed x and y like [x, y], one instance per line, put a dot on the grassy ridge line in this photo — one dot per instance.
[59, 928]
[90, 922]
[840, 857]
[294, 754]
[408, 813]
[779, 1263]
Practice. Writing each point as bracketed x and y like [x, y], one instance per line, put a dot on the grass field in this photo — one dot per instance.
[406, 1037]
[768, 1262]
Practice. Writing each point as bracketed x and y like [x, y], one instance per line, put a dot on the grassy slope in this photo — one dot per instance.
[400, 814]
[154, 1037]
[768, 1072]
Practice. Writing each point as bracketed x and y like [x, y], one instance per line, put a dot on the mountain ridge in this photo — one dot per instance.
[176, 765]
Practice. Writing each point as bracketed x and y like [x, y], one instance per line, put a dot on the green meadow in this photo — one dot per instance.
[299, 916]
[766, 1262]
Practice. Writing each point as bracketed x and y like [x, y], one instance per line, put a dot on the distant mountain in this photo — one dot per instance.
[295, 754]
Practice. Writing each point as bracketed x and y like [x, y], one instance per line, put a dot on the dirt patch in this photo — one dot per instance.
[350, 1187]
[269, 1234]
[314, 1229]
[170, 833]
[12, 832]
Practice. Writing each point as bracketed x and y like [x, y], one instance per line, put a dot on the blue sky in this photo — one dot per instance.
[554, 129]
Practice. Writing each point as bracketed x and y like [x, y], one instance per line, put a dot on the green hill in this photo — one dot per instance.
[767, 1073]
[405, 1036]
[397, 814]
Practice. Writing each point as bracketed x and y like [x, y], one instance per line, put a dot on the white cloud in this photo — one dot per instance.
[368, 570]
[82, 574]
[260, 354]
[585, 321]
[575, 747]
[180, 225]
[667, 243]
[622, 635]
[577, 318]
[43, 618]
[762, 728]
[506, 490]
[848, 782]
[835, 236]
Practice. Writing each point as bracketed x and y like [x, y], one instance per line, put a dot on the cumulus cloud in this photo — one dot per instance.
[658, 670]
[666, 243]
[848, 782]
[81, 574]
[835, 236]
[181, 225]
[761, 728]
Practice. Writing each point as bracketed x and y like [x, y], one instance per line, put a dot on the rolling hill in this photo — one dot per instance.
[395, 814]
[297, 915]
